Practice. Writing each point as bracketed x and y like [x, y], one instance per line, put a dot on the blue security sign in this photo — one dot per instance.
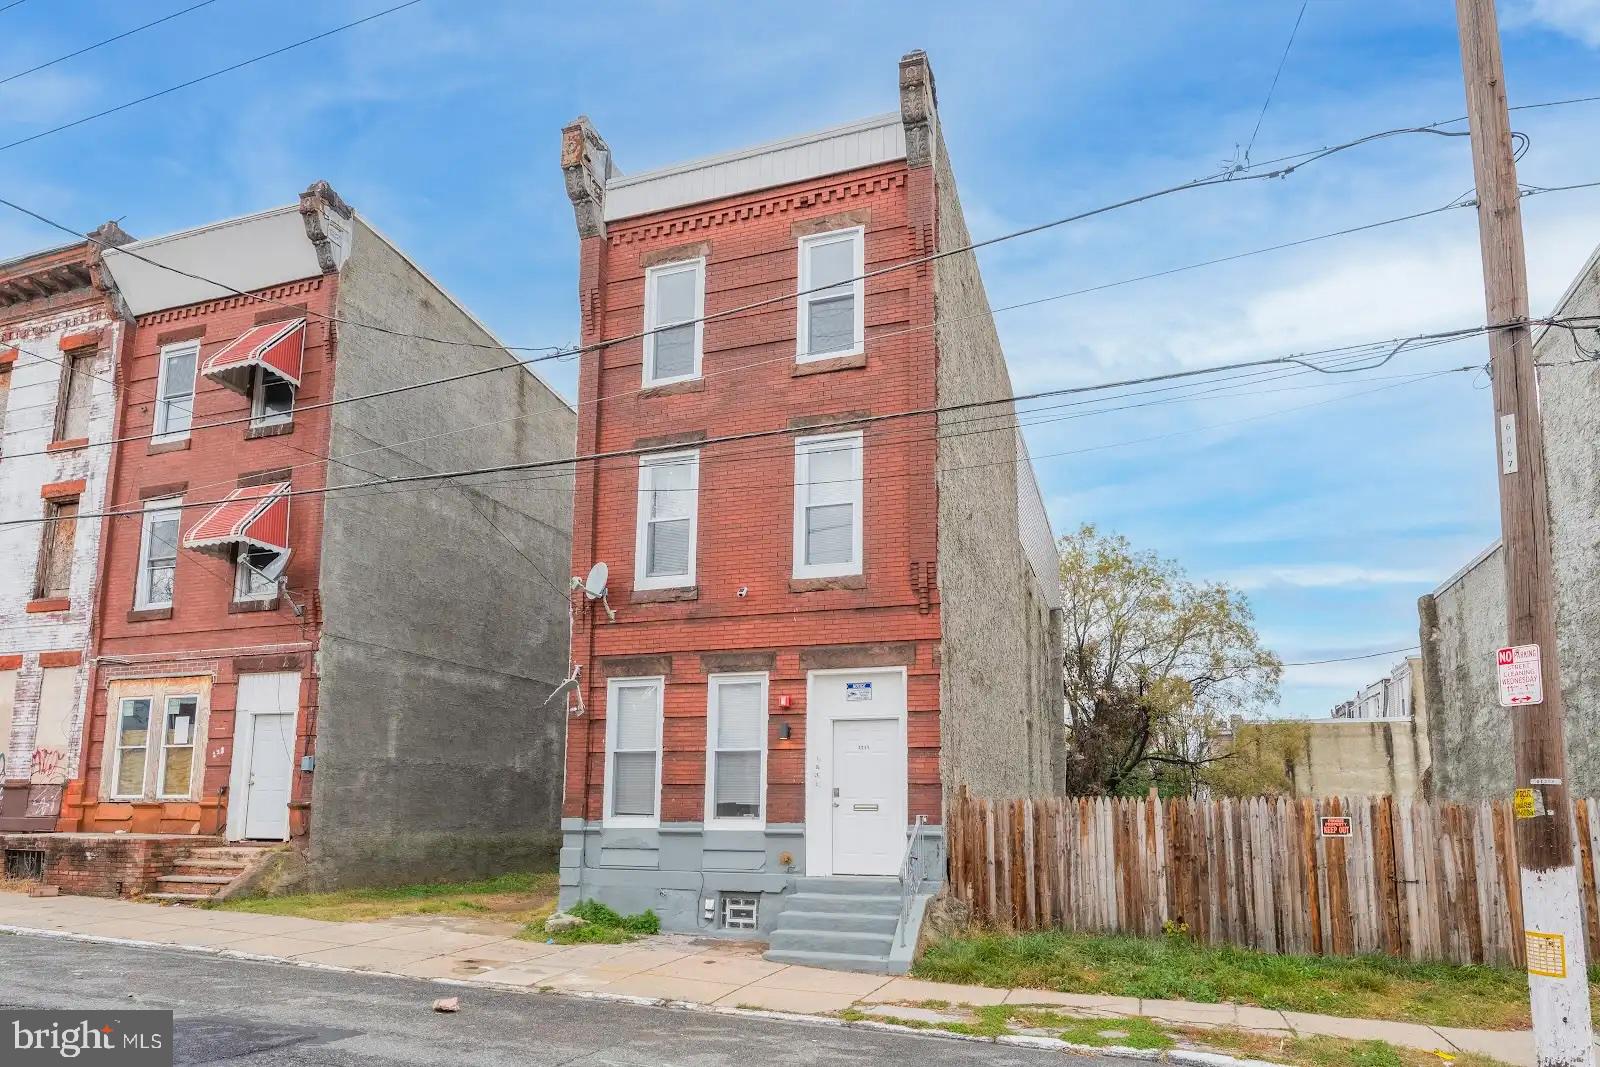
[857, 691]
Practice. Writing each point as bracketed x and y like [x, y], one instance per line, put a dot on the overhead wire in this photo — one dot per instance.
[101, 44]
[1282, 60]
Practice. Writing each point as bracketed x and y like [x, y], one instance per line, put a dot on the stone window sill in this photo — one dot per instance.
[693, 385]
[68, 445]
[156, 448]
[666, 596]
[49, 603]
[823, 366]
[149, 614]
[245, 607]
[277, 429]
[817, 585]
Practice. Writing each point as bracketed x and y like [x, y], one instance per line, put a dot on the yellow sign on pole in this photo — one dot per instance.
[1525, 804]
[1547, 954]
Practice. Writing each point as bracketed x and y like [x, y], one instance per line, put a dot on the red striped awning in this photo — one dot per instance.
[256, 515]
[277, 346]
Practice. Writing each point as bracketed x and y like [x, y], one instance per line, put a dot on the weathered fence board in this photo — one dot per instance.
[1415, 879]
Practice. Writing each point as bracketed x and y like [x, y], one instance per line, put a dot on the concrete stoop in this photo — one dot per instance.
[845, 924]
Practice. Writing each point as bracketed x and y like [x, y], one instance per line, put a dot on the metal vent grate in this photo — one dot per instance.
[739, 913]
[25, 864]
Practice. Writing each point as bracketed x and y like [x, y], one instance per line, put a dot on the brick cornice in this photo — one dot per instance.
[210, 307]
[836, 192]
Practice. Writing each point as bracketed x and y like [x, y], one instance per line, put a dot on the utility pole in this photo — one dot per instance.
[1552, 911]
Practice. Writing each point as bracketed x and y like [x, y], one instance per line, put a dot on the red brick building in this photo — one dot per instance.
[826, 624]
[267, 660]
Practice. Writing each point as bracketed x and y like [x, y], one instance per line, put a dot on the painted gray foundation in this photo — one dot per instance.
[671, 870]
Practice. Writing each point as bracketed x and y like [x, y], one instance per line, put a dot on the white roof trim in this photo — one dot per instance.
[863, 143]
[1468, 569]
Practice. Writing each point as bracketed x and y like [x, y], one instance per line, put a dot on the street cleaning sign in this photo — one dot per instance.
[1517, 670]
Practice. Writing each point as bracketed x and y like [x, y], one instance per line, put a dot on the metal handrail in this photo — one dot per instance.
[913, 870]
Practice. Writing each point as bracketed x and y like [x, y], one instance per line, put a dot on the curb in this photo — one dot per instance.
[1180, 1057]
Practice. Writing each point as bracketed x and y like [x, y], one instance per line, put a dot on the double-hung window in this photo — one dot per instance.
[827, 506]
[133, 747]
[271, 399]
[633, 751]
[175, 391]
[674, 301]
[158, 554]
[832, 322]
[664, 545]
[176, 773]
[736, 749]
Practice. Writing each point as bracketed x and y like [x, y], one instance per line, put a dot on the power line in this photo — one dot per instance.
[206, 77]
[101, 44]
[1350, 659]
[14, 3]
[1275, 76]
[840, 424]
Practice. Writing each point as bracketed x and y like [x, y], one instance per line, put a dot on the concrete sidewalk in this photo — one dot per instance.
[671, 967]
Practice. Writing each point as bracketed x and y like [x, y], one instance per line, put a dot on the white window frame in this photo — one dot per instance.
[651, 309]
[855, 565]
[242, 581]
[161, 741]
[641, 531]
[713, 717]
[163, 406]
[153, 509]
[613, 687]
[258, 401]
[803, 304]
[117, 747]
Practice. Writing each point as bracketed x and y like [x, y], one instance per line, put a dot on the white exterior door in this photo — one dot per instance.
[856, 764]
[263, 756]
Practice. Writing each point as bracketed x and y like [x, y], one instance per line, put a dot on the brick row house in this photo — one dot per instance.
[278, 656]
[58, 343]
[821, 632]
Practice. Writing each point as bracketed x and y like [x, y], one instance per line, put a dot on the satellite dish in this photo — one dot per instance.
[594, 587]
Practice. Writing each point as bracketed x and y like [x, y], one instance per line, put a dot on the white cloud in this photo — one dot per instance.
[1327, 576]
[1575, 18]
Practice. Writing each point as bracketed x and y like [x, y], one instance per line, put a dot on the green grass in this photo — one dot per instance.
[1327, 1051]
[518, 898]
[1175, 968]
[604, 926]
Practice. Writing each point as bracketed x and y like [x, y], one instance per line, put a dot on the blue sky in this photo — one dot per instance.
[441, 124]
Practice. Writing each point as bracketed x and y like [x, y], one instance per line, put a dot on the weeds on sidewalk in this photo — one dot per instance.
[1325, 1051]
[517, 898]
[1176, 968]
[602, 926]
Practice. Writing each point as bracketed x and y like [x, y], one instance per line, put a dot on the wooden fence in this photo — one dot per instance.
[1417, 879]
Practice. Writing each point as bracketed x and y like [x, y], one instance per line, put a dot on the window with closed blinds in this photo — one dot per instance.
[674, 301]
[669, 492]
[736, 722]
[633, 743]
[827, 506]
[831, 314]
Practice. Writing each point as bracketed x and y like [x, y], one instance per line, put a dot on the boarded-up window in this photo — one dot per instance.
[5, 396]
[133, 740]
[55, 549]
[177, 746]
[48, 765]
[8, 699]
[72, 412]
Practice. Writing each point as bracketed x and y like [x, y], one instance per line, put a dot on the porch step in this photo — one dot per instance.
[195, 879]
[188, 866]
[842, 904]
[178, 898]
[200, 872]
[851, 886]
[840, 922]
[834, 961]
[837, 942]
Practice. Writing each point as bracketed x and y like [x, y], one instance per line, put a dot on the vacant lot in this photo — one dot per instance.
[1175, 968]
[511, 898]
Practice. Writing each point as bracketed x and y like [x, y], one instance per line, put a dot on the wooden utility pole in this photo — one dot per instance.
[1551, 907]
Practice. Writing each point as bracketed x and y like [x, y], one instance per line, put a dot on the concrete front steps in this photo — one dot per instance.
[201, 872]
[844, 924]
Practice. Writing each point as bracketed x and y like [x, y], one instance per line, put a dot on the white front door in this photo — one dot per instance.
[867, 765]
[263, 756]
[856, 772]
[266, 810]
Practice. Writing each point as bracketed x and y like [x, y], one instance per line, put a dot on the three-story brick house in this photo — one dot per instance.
[825, 620]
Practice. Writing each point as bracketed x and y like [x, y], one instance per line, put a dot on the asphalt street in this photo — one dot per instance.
[252, 1014]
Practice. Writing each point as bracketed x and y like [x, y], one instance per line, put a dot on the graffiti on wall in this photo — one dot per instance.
[49, 767]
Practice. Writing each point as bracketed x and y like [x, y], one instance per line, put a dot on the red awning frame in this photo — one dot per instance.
[277, 347]
[255, 515]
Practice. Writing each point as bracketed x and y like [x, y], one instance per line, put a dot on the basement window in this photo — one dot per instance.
[25, 864]
[740, 913]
